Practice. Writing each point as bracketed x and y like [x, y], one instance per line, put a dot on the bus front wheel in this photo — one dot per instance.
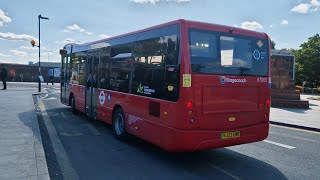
[119, 124]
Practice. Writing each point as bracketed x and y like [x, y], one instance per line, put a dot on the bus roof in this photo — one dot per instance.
[188, 23]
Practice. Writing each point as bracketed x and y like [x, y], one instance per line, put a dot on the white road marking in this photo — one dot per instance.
[68, 171]
[296, 129]
[295, 137]
[224, 171]
[279, 144]
[46, 95]
[51, 98]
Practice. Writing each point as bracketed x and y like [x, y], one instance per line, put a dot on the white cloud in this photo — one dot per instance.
[251, 25]
[76, 28]
[145, 1]
[284, 22]
[67, 40]
[4, 55]
[19, 53]
[16, 37]
[301, 8]
[4, 18]
[32, 48]
[28, 48]
[304, 8]
[315, 3]
[158, 1]
[104, 36]
[271, 26]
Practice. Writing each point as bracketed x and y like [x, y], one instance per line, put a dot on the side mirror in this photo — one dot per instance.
[63, 52]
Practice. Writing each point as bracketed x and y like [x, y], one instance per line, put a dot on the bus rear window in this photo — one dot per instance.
[227, 54]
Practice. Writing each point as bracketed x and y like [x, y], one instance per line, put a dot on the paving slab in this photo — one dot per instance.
[308, 118]
[21, 150]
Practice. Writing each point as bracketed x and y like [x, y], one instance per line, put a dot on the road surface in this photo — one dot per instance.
[81, 148]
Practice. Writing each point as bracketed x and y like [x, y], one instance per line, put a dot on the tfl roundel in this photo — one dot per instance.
[256, 55]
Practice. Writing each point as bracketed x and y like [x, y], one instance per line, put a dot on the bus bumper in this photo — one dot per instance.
[191, 140]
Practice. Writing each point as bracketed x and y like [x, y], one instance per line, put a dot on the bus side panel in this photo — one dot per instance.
[104, 107]
[79, 95]
[137, 111]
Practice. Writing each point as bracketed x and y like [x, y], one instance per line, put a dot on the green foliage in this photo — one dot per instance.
[308, 62]
[272, 44]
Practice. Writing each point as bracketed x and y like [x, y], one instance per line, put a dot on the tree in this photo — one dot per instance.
[272, 44]
[308, 62]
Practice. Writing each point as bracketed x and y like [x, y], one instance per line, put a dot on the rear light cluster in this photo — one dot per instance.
[267, 107]
[189, 106]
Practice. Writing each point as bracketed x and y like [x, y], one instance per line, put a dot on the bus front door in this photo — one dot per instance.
[64, 79]
[91, 85]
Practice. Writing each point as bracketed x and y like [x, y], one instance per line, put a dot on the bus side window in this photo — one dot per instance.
[172, 70]
[148, 67]
[120, 67]
[104, 68]
[75, 64]
[80, 68]
[150, 74]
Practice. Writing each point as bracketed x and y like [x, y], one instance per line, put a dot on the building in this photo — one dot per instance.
[29, 73]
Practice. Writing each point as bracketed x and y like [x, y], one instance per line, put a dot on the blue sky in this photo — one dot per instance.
[289, 23]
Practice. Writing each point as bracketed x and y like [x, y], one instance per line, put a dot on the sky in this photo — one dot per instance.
[288, 22]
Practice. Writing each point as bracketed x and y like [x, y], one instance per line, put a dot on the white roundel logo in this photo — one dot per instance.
[256, 55]
[102, 97]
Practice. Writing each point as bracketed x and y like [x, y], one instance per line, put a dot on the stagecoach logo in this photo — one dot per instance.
[145, 90]
[224, 80]
[102, 97]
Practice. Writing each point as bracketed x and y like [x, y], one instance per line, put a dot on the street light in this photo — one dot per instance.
[48, 53]
[40, 78]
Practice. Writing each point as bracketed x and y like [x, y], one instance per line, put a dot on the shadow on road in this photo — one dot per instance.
[95, 154]
[310, 104]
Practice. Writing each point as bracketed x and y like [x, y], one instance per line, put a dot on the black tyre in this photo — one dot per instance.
[73, 105]
[119, 124]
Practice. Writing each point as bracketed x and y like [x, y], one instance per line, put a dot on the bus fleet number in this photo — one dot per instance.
[262, 80]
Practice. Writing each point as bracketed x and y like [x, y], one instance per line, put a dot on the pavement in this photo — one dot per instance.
[300, 118]
[21, 150]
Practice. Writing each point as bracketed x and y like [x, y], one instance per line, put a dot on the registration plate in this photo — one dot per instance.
[228, 135]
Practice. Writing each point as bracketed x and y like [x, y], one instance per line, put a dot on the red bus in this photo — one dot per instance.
[182, 85]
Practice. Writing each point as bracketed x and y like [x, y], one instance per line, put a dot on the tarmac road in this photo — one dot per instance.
[77, 147]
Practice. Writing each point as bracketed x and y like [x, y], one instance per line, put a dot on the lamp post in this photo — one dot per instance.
[39, 18]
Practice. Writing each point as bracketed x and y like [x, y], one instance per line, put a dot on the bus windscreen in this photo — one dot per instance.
[227, 54]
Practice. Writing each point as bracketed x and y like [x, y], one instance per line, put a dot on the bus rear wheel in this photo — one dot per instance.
[119, 124]
[73, 105]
